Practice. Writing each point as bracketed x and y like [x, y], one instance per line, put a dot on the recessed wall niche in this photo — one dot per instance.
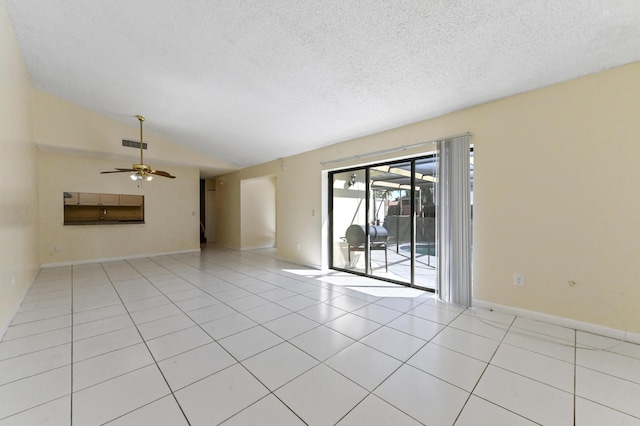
[89, 208]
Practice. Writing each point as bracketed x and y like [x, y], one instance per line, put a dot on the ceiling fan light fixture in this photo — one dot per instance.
[141, 172]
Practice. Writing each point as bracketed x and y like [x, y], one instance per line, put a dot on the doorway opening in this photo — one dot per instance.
[258, 213]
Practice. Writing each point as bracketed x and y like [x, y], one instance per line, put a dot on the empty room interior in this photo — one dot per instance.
[341, 213]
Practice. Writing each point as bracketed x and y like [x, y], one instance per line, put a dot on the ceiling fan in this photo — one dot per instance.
[141, 172]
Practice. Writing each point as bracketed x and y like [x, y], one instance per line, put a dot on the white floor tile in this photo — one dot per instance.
[590, 413]
[374, 411]
[163, 412]
[267, 312]
[538, 367]
[210, 313]
[103, 343]
[113, 398]
[277, 294]
[37, 327]
[44, 304]
[53, 413]
[86, 304]
[227, 326]
[422, 396]
[197, 303]
[40, 314]
[399, 304]
[35, 390]
[39, 294]
[155, 313]
[279, 365]
[525, 397]
[297, 302]
[321, 396]
[450, 366]
[469, 344]
[364, 365]
[435, 314]
[490, 315]
[619, 394]
[621, 366]
[220, 396]
[394, 343]
[542, 344]
[347, 303]
[353, 326]
[234, 293]
[161, 327]
[247, 343]
[415, 326]
[479, 412]
[188, 294]
[377, 313]
[323, 294]
[95, 328]
[23, 366]
[480, 326]
[150, 302]
[188, 367]
[269, 411]
[551, 330]
[255, 286]
[247, 302]
[98, 314]
[322, 313]
[176, 343]
[322, 342]
[290, 325]
[109, 365]
[322, 375]
[25, 345]
[611, 345]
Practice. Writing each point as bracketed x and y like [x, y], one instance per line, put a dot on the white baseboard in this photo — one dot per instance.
[258, 247]
[295, 262]
[111, 259]
[563, 322]
[7, 322]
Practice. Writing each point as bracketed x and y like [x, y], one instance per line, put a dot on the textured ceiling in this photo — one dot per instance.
[248, 81]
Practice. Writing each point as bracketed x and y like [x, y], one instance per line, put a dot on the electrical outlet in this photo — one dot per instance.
[13, 280]
[298, 246]
[518, 280]
[58, 247]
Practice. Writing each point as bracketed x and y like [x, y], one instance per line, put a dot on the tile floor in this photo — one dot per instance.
[240, 338]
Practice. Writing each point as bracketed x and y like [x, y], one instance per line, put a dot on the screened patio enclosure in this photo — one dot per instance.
[384, 219]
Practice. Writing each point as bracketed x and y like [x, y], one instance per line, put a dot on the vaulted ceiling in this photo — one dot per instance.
[248, 81]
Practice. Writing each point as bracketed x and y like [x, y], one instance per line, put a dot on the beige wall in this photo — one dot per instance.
[556, 198]
[18, 177]
[75, 144]
[63, 126]
[258, 213]
[172, 211]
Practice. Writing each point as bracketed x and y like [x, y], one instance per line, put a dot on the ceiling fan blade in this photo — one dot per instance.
[119, 171]
[124, 170]
[161, 173]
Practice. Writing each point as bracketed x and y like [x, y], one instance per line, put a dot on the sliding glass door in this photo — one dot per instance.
[383, 221]
[349, 205]
[388, 220]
